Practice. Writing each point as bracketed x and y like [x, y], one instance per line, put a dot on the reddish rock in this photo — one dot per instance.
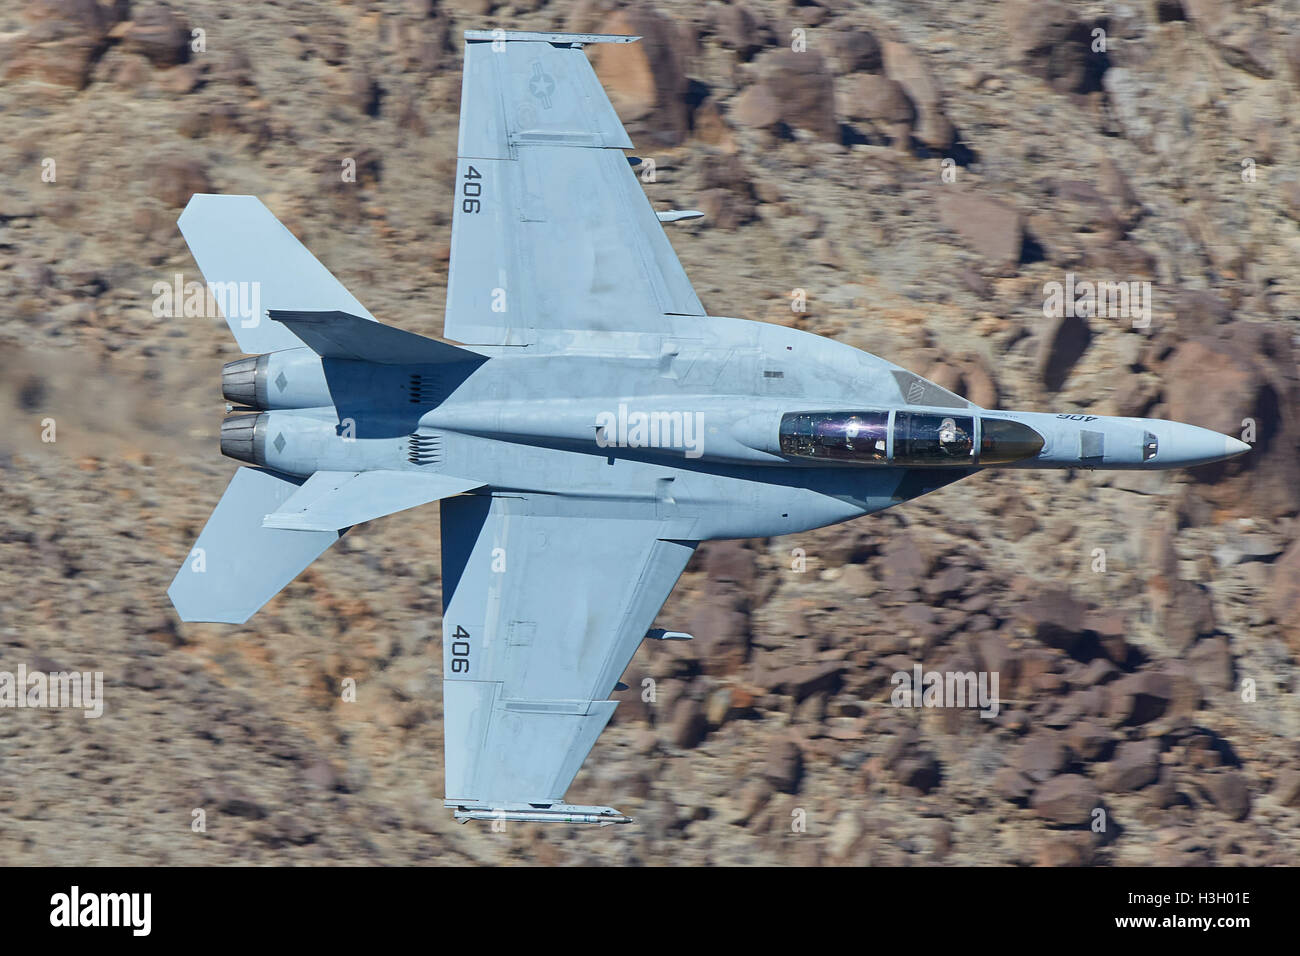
[806, 91]
[879, 99]
[756, 107]
[1066, 800]
[159, 35]
[1050, 43]
[646, 80]
[1136, 764]
[906, 67]
[1285, 596]
[177, 178]
[989, 226]
[857, 51]
[64, 40]
[783, 768]
[1229, 793]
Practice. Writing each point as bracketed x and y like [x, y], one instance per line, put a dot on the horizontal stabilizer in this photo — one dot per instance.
[330, 500]
[343, 336]
[253, 263]
[237, 565]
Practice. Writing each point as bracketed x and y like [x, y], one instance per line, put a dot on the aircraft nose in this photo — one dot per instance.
[1191, 445]
[1232, 447]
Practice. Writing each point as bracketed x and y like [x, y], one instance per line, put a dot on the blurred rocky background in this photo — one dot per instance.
[1161, 689]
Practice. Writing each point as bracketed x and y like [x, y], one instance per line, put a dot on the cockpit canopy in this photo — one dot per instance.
[840, 436]
[923, 439]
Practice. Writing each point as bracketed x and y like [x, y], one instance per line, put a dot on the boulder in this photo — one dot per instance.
[1229, 793]
[1066, 800]
[1136, 764]
[783, 768]
[906, 67]
[806, 91]
[1049, 42]
[646, 80]
[990, 227]
[857, 51]
[62, 43]
[1061, 346]
[158, 34]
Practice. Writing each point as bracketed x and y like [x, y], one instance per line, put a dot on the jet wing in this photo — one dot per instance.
[551, 229]
[542, 613]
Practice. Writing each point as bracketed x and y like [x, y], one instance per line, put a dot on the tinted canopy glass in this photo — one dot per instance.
[1003, 441]
[926, 438]
[839, 436]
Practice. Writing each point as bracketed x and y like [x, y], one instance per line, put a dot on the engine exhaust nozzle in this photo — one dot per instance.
[243, 437]
[243, 381]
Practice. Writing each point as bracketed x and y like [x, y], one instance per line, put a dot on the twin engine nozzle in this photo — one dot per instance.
[243, 381]
[243, 437]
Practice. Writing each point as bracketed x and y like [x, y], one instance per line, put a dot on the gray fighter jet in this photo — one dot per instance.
[592, 425]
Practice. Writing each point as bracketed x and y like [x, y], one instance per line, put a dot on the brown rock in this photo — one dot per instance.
[64, 40]
[919, 772]
[721, 636]
[989, 226]
[858, 51]
[1285, 596]
[159, 35]
[177, 178]
[1065, 850]
[1050, 43]
[756, 107]
[730, 561]
[737, 29]
[806, 91]
[689, 724]
[1067, 800]
[906, 67]
[1055, 617]
[1211, 663]
[1286, 787]
[783, 768]
[1190, 615]
[1136, 764]
[646, 80]
[1010, 784]
[1089, 739]
[879, 99]
[1207, 386]
[804, 680]
[1043, 755]
[1140, 698]
[1229, 794]
[1063, 343]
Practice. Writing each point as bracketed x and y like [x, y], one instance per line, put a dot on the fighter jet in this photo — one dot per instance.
[584, 425]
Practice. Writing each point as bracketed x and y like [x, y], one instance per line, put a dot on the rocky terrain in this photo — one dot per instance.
[919, 170]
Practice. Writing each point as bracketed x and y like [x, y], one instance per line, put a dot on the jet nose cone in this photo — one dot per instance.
[1187, 445]
[1232, 447]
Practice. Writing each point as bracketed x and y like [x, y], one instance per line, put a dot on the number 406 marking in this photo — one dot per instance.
[460, 651]
[471, 189]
